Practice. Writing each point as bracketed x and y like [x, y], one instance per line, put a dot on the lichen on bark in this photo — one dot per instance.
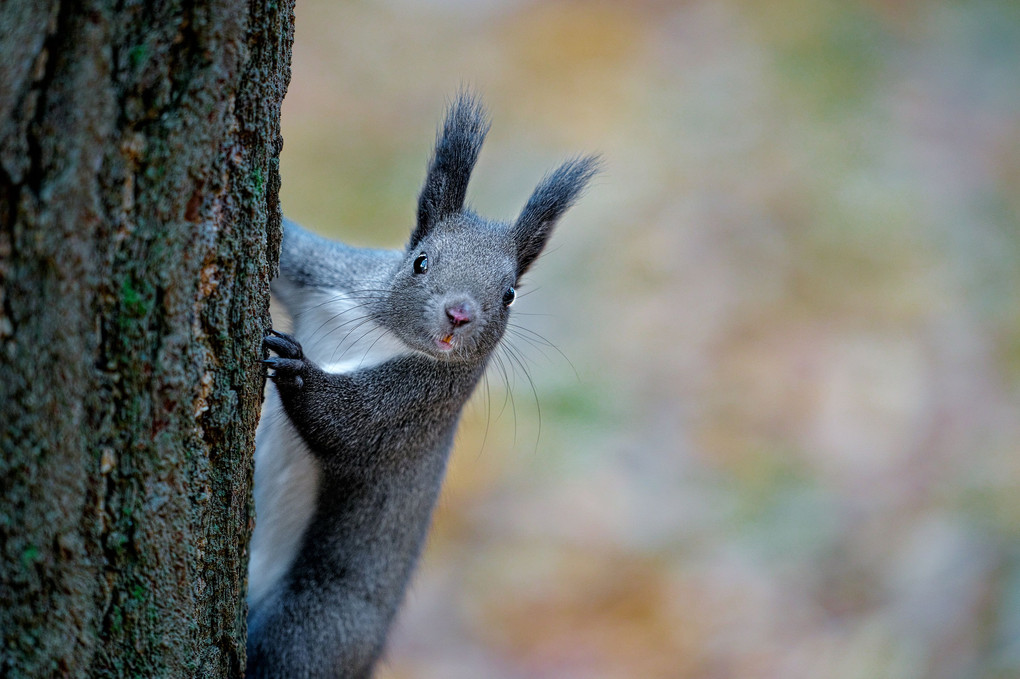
[139, 228]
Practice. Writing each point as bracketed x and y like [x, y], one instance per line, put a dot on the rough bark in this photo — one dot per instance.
[139, 228]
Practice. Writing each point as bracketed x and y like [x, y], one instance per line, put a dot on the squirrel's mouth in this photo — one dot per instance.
[446, 343]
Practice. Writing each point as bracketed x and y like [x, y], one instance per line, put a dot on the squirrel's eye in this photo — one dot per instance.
[421, 263]
[509, 296]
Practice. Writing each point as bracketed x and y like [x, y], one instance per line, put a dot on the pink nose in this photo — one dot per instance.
[459, 314]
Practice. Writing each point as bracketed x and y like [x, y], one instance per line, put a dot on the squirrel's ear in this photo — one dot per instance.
[457, 146]
[551, 198]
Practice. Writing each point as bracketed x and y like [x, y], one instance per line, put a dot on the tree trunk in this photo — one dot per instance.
[139, 228]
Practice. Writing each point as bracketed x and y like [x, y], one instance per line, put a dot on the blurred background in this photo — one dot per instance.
[778, 433]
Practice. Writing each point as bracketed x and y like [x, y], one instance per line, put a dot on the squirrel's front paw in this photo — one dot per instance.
[290, 362]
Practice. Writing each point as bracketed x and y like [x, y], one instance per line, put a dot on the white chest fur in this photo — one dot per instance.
[338, 334]
[286, 487]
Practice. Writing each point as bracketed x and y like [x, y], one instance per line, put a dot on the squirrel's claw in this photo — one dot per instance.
[292, 365]
[283, 344]
[290, 361]
[287, 370]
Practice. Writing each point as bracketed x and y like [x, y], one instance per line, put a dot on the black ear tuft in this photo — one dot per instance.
[457, 146]
[551, 198]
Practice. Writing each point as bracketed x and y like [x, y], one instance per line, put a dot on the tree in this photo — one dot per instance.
[139, 228]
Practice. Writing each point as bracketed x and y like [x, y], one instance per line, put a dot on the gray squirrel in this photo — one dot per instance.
[387, 347]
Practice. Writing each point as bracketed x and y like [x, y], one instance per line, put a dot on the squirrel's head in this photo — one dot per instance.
[451, 294]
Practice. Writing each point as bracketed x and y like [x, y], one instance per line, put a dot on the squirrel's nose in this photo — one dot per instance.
[459, 313]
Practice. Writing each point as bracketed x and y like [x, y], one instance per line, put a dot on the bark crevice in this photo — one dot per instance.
[139, 229]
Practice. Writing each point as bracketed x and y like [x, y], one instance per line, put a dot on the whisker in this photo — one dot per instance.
[382, 334]
[343, 295]
[510, 392]
[545, 342]
[334, 328]
[506, 382]
[527, 292]
[515, 333]
[360, 320]
[515, 354]
[365, 319]
[488, 412]
[338, 315]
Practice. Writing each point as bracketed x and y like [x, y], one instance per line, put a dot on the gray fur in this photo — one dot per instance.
[351, 451]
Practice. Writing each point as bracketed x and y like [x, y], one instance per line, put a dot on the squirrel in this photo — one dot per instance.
[387, 346]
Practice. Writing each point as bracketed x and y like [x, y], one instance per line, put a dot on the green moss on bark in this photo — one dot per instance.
[139, 228]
